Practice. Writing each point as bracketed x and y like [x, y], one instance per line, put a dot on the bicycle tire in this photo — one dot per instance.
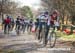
[52, 42]
[42, 38]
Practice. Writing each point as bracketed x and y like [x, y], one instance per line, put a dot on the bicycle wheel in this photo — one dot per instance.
[42, 36]
[52, 39]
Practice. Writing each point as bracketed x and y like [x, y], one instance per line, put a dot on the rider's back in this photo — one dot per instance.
[42, 18]
[17, 22]
[7, 21]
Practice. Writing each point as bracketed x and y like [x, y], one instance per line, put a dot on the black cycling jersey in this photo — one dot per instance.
[17, 22]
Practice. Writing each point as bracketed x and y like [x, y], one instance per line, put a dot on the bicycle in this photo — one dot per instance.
[52, 37]
[36, 33]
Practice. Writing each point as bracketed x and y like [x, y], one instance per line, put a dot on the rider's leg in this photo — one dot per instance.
[9, 27]
[58, 27]
[54, 27]
[5, 26]
[12, 26]
[16, 27]
[46, 34]
[28, 27]
[36, 26]
[25, 27]
[22, 27]
[40, 29]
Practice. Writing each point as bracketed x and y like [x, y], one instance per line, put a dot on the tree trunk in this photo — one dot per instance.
[67, 20]
[62, 22]
[73, 23]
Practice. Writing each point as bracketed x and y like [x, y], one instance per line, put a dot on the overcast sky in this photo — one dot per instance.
[31, 3]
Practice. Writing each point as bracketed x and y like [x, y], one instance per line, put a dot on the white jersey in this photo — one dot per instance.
[42, 18]
[26, 21]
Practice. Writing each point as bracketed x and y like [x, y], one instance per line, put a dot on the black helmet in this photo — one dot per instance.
[46, 12]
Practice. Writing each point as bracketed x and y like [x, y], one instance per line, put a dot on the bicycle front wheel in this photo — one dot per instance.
[52, 39]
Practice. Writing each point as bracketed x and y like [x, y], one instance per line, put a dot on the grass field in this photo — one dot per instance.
[66, 37]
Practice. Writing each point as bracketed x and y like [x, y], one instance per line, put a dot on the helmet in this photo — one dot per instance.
[46, 12]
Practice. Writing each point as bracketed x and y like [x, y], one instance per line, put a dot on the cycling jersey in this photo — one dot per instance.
[53, 19]
[17, 22]
[7, 21]
[43, 18]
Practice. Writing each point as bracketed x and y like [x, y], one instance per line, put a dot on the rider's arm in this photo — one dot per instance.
[58, 18]
[48, 20]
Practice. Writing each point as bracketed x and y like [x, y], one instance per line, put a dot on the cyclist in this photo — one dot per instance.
[53, 17]
[18, 22]
[7, 22]
[42, 21]
[30, 24]
[26, 21]
[12, 23]
[22, 23]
